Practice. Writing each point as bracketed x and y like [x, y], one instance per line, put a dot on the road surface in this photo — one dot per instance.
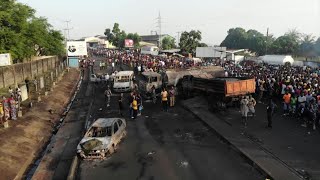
[165, 145]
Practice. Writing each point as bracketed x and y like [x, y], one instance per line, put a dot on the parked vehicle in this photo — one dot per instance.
[97, 78]
[221, 91]
[123, 81]
[102, 138]
[174, 78]
[147, 81]
[152, 50]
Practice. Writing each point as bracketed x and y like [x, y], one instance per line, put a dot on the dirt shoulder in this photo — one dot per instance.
[22, 141]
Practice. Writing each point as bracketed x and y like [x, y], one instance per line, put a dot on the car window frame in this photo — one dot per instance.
[115, 123]
[119, 124]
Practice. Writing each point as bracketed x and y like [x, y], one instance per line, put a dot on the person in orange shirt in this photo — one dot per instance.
[286, 103]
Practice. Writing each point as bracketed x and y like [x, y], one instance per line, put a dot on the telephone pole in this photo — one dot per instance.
[178, 38]
[67, 29]
[267, 41]
[159, 21]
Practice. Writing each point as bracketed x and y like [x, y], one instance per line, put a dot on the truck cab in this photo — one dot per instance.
[148, 80]
[123, 81]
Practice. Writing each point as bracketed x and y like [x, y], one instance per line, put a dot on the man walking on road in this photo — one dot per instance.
[172, 93]
[164, 98]
[244, 110]
[107, 95]
[252, 103]
[270, 112]
[120, 102]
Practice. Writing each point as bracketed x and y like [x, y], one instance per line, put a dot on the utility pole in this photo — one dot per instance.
[67, 32]
[68, 29]
[159, 21]
[178, 40]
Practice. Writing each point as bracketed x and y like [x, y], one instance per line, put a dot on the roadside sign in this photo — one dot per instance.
[77, 48]
[5, 59]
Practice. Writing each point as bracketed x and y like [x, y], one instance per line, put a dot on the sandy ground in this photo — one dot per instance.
[26, 137]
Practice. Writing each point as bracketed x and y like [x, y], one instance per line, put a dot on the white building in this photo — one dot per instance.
[97, 41]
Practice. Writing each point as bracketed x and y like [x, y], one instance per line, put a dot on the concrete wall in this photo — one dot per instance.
[17, 73]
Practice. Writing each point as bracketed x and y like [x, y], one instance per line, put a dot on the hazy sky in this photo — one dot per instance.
[212, 17]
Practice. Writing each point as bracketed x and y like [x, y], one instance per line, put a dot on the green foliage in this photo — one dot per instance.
[117, 37]
[202, 45]
[24, 35]
[239, 38]
[189, 41]
[291, 42]
[317, 47]
[135, 37]
[168, 43]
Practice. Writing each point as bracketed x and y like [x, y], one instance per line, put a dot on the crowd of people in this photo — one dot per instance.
[143, 62]
[297, 88]
[9, 106]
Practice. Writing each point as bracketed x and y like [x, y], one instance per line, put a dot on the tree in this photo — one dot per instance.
[317, 46]
[307, 46]
[189, 41]
[23, 35]
[117, 36]
[236, 39]
[109, 35]
[285, 44]
[202, 45]
[136, 39]
[239, 38]
[168, 43]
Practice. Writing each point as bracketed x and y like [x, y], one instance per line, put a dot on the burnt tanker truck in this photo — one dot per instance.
[219, 91]
[208, 81]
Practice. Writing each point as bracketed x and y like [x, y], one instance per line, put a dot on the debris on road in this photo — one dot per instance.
[184, 164]
[151, 153]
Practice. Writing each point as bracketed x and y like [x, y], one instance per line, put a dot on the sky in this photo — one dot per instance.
[212, 17]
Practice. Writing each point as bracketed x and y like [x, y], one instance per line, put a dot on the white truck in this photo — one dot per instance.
[123, 81]
[152, 50]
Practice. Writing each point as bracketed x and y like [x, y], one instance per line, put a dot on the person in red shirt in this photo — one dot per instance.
[286, 103]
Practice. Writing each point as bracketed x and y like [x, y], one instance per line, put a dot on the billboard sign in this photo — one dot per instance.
[77, 48]
[5, 59]
[128, 43]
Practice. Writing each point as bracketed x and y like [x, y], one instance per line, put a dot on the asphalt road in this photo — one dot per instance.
[165, 145]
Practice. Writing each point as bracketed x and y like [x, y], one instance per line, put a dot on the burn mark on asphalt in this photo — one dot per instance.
[155, 130]
[145, 161]
[115, 165]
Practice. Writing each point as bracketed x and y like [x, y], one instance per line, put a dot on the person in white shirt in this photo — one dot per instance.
[112, 64]
[107, 77]
[244, 109]
[301, 102]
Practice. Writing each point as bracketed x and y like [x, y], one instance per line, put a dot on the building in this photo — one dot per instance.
[153, 39]
[97, 41]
